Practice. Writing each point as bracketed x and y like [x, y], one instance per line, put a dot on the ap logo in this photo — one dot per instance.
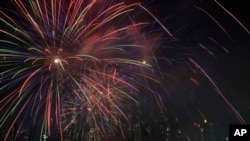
[239, 133]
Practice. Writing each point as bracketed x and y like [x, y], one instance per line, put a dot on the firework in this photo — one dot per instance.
[78, 65]
[86, 69]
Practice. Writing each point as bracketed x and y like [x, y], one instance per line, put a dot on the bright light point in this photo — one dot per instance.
[143, 62]
[89, 109]
[205, 121]
[57, 60]
[45, 136]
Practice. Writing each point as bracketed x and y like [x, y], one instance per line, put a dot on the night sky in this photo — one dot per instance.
[230, 71]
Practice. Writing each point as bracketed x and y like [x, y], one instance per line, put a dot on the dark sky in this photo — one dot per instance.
[230, 71]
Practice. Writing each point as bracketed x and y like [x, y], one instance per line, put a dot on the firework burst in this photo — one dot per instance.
[74, 64]
[85, 69]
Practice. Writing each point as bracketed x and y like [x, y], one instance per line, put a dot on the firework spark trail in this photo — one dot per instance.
[71, 49]
[236, 19]
[159, 22]
[220, 45]
[221, 27]
[231, 107]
